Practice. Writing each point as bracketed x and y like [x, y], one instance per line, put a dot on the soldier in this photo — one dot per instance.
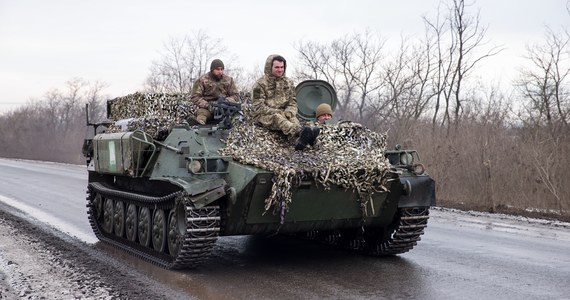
[210, 87]
[275, 104]
[323, 113]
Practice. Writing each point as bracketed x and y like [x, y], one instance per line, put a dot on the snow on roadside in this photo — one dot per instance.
[37, 262]
[33, 269]
[554, 229]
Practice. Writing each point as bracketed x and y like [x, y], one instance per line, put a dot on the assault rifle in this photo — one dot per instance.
[223, 111]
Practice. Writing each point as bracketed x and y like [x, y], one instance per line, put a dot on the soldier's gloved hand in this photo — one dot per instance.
[289, 115]
[203, 103]
[222, 98]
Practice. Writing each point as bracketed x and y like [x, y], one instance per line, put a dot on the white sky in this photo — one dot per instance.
[43, 44]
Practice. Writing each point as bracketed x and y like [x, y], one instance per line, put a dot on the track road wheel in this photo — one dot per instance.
[108, 215]
[144, 226]
[131, 222]
[159, 230]
[119, 218]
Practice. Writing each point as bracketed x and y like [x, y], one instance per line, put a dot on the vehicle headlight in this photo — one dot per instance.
[194, 166]
[406, 159]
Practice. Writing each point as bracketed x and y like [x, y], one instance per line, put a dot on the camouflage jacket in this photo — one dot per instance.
[209, 89]
[273, 95]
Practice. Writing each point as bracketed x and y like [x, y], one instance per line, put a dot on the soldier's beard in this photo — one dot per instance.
[216, 77]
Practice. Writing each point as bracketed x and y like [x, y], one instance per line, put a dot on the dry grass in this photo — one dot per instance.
[496, 169]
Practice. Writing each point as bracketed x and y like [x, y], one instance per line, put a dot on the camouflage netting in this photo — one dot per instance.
[346, 154]
[152, 113]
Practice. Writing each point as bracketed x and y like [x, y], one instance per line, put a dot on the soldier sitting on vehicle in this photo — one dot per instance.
[275, 104]
[210, 87]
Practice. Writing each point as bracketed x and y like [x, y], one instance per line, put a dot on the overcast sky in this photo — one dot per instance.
[43, 44]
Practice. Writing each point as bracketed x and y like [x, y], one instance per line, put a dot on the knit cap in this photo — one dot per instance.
[216, 63]
[322, 109]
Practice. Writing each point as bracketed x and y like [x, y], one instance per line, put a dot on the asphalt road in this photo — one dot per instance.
[461, 256]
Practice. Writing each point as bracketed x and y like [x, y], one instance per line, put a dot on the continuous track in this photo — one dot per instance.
[399, 238]
[189, 234]
[189, 237]
[405, 236]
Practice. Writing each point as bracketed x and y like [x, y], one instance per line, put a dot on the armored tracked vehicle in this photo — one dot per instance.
[167, 196]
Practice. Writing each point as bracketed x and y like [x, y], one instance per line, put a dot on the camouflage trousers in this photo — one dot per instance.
[289, 127]
[203, 115]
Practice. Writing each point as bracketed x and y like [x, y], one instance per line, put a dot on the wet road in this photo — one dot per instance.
[461, 256]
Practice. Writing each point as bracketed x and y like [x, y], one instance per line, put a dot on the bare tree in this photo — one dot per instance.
[312, 61]
[53, 127]
[93, 97]
[460, 36]
[546, 84]
[437, 29]
[405, 91]
[317, 62]
[368, 53]
[351, 64]
[182, 62]
[71, 110]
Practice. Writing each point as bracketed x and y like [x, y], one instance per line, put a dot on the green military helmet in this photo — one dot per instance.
[311, 93]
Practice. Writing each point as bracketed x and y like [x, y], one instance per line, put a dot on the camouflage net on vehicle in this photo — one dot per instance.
[155, 114]
[346, 154]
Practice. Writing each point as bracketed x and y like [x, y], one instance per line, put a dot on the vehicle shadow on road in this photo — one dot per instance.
[255, 267]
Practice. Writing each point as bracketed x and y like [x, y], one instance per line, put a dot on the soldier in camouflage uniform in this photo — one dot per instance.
[210, 87]
[275, 103]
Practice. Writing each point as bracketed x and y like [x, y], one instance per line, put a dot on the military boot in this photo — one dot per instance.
[315, 133]
[305, 138]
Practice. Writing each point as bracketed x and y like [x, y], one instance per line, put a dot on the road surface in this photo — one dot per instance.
[462, 255]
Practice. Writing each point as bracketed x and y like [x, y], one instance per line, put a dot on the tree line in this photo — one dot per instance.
[488, 147]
